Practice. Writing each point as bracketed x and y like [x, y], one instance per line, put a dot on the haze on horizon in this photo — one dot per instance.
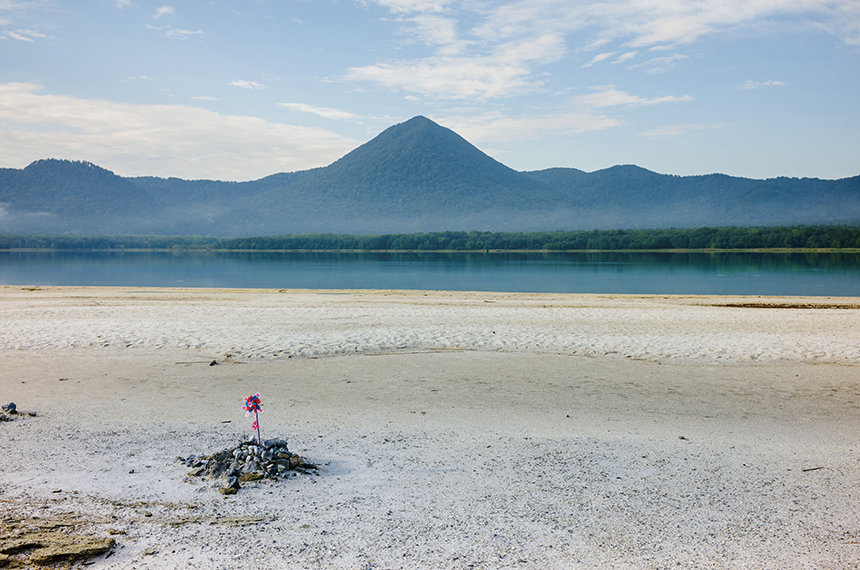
[240, 90]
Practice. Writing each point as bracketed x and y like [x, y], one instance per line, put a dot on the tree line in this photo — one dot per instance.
[790, 237]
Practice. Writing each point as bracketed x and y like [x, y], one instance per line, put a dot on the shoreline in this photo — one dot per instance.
[441, 446]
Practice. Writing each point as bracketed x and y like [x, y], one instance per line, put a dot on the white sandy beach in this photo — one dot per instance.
[455, 430]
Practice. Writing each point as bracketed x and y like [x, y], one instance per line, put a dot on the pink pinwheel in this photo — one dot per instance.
[252, 404]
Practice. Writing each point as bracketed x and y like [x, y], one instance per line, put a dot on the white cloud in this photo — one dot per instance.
[845, 23]
[749, 85]
[681, 129]
[177, 33]
[406, 6]
[181, 34]
[23, 35]
[459, 68]
[492, 128]
[502, 73]
[624, 57]
[596, 44]
[123, 3]
[599, 57]
[447, 78]
[324, 112]
[609, 96]
[162, 11]
[581, 114]
[481, 61]
[661, 64]
[163, 140]
[584, 113]
[649, 23]
[435, 31]
[246, 84]
[204, 98]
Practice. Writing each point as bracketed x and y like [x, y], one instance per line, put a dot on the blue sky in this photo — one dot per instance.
[239, 90]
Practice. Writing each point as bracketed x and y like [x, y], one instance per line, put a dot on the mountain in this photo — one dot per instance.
[419, 165]
[51, 193]
[414, 176]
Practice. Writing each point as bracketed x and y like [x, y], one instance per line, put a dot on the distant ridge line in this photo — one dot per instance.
[415, 176]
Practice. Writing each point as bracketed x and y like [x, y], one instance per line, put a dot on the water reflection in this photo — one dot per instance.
[752, 273]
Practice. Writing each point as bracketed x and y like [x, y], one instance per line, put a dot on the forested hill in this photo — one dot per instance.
[414, 177]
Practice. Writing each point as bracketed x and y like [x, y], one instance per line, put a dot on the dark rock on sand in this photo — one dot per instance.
[10, 411]
[47, 541]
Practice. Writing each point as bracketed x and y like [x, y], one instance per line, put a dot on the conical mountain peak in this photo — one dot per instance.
[419, 139]
[419, 157]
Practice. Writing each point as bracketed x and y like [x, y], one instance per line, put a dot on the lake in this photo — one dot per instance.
[819, 274]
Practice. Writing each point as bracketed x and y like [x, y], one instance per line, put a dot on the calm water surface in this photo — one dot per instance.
[642, 273]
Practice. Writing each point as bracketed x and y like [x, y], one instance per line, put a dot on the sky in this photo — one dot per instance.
[238, 90]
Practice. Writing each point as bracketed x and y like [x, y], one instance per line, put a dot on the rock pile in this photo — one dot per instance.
[248, 461]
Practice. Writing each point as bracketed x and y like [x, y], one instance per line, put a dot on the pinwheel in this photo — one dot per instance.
[252, 404]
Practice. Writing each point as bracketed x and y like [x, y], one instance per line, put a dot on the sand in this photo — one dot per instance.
[455, 430]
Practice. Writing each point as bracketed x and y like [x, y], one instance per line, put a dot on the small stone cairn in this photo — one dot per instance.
[247, 462]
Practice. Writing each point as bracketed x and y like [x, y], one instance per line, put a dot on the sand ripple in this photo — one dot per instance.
[273, 325]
